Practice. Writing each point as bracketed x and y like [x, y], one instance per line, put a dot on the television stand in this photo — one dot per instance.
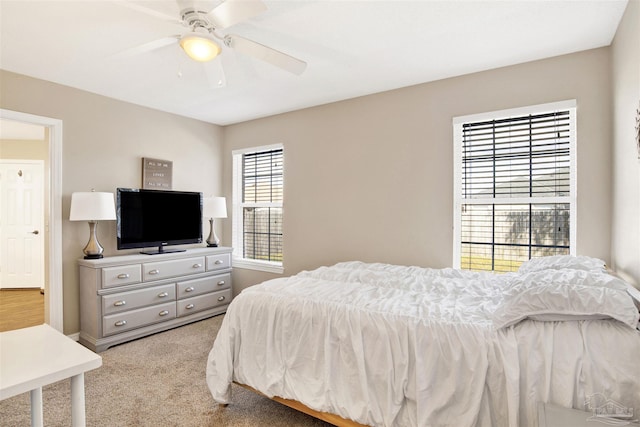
[162, 250]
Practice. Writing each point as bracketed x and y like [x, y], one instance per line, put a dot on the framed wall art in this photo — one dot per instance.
[156, 174]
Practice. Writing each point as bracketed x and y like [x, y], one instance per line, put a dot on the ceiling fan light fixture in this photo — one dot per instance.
[200, 47]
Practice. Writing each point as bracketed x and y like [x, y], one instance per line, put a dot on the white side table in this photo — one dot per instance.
[555, 416]
[31, 358]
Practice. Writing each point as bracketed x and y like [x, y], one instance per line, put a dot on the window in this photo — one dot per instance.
[514, 186]
[257, 208]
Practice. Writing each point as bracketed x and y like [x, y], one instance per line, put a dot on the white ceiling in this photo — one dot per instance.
[352, 48]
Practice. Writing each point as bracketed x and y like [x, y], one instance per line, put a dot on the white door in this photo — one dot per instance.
[21, 224]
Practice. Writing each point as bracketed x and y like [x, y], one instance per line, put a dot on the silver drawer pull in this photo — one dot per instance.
[154, 271]
[190, 306]
[163, 294]
[221, 282]
[163, 312]
[198, 265]
[121, 322]
[120, 303]
[190, 289]
[221, 298]
[123, 276]
[219, 261]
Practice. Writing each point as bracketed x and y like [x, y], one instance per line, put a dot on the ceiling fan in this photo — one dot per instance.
[202, 41]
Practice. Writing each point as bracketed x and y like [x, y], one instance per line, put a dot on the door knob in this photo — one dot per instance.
[35, 232]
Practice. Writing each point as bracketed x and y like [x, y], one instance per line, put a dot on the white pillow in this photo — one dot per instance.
[566, 295]
[634, 293]
[557, 262]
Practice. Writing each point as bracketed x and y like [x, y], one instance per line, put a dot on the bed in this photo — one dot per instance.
[388, 345]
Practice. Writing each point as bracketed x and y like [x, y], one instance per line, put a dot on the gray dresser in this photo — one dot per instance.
[127, 297]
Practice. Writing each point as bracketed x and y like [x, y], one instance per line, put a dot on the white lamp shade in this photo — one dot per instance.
[92, 206]
[215, 207]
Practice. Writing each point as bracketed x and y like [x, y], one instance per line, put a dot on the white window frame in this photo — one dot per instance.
[458, 201]
[237, 215]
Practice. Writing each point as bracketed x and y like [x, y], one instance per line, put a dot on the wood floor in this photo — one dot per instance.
[20, 308]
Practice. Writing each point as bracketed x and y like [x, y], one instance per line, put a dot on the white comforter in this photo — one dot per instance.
[405, 346]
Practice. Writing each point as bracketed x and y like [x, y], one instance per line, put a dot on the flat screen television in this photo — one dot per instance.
[158, 218]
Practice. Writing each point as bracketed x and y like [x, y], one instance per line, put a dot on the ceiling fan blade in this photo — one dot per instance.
[146, 47]
[148, 11]
[230, 12]
[265, 53]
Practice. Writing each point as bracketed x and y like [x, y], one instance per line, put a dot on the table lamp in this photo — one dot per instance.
[92, 207]
[214, 207]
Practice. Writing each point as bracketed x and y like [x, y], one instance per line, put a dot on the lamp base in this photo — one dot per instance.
[212, 240]
[93, 250]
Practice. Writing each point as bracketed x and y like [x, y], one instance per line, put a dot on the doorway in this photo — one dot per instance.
[52, 208]
[22, 231]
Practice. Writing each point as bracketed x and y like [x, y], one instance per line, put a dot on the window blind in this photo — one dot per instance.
[515, 190]
[522, 156]
[262, 196]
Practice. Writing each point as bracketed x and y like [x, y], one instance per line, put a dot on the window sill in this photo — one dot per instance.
[251, 264]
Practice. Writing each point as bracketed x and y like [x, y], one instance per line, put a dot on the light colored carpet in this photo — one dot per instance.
[156, 381]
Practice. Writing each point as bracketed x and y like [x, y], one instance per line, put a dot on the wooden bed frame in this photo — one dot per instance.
[336, 420]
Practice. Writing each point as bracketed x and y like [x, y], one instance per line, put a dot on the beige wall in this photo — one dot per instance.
[369, 178]
[24, 149]
[372, 178]
[103, 143]
[625, 247]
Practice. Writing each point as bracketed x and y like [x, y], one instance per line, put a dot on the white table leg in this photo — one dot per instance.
[36, 407]
[77, 401]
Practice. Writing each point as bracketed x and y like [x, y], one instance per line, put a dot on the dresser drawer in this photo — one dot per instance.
[122, 275]
[139, 298]
[120, 322]
[203, 302]
[218, 261]
[179, 267]
[190, 288]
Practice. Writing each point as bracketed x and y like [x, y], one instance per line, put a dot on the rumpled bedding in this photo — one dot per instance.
[388, 345]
